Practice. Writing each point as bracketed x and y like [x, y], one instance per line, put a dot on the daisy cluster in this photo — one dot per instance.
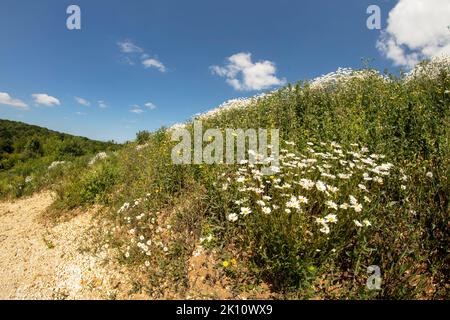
[55, 164]
[238, 103]
[147, 234]
[97, 157]
[342, 75]
[329, 80]
[325, 183]
[232, 104]
[431, 69]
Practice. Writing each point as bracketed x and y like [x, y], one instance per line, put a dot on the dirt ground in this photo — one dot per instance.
[45, 262]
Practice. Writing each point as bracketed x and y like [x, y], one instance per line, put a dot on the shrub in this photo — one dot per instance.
[142, 137]
[92, 186]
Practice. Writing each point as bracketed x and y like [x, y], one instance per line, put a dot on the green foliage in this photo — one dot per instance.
[142, 137]
[27, 151]
[404, 119]
[70, 148]
[93, 186]
[33, 148]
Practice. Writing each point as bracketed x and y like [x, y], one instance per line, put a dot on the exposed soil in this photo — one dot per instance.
[45, 262]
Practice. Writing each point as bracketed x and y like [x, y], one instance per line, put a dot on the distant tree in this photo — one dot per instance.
[33, 148]
[71, 148]
[6, 146]
[142, 137]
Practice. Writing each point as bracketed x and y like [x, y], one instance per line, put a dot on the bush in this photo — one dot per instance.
[92, 186]
[142, 137]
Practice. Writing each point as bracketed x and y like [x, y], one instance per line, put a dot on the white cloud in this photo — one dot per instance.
[132, 52]
[82, 101]
[154, 63]
[150, 105]
[136, 109]
[102, 104]
[80, 113]
[127, 46]
[416, 29]
[243, 74]
[45, 99]
[6, 99]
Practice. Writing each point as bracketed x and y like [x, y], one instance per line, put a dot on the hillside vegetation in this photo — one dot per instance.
[27, 152]
[363, 181]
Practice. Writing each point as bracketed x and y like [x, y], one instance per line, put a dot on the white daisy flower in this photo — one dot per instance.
[357, 223]
[321, 186]
[307, 184]
[331, 204]
[293, 203]
[344, 206]
[332, 189]
[240, 179]
[321, 221]
[302, 199]
[362, 187]
[233, 217]
[358, 207]
[331, 218]
[325, 229]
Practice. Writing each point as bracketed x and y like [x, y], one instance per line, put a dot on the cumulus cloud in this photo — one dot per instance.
[127, 46]
[136, 109]
[45, 100]
[150, 105]
[132, 53]
[154, 63]
[416, 29]
[82, 101]
[244, 75]
[6, 99]
[102, 104]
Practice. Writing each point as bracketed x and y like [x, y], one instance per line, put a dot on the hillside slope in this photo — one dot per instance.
[362, 187]
[26, 151]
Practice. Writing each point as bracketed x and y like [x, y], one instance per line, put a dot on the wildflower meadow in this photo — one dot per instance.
[361, 185]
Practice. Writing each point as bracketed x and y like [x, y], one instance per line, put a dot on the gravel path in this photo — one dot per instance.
[39, 262]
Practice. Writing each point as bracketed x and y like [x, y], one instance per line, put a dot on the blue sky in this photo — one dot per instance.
[176, 43]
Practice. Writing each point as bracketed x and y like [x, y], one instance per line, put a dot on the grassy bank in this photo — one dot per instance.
[363, 181]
